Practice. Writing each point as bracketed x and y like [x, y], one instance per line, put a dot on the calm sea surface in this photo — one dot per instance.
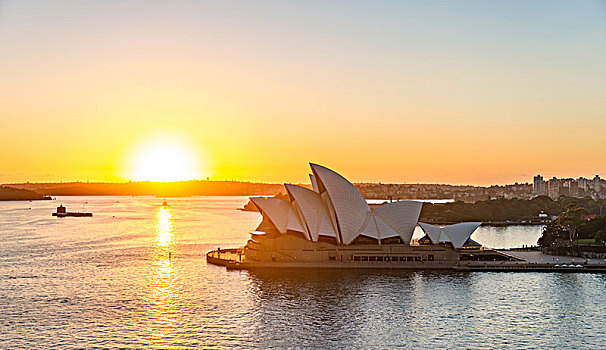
[108, 282]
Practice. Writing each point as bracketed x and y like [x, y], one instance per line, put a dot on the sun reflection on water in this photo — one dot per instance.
[164, 228]
[163, 292]
[163, 312]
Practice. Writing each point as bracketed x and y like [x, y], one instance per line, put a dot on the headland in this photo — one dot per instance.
[18, 194]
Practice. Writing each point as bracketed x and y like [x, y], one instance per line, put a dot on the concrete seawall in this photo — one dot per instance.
[531, 261]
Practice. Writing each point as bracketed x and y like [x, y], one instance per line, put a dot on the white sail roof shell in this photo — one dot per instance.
[456, 234]
[350, 207]
[377, 228]
[314, 184]
[370, 229]
[401, 216]
[294, 221]
[434, 232]
[460, 233]
[279, 212]
[331, 213]
[314, 213]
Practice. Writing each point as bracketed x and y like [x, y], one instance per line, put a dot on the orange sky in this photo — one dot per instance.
[474, 93]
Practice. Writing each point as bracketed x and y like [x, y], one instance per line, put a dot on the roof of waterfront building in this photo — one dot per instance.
[335, 208]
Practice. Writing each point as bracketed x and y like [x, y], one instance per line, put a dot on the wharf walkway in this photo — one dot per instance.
[222, 257]
[535, 261]
[527, 261]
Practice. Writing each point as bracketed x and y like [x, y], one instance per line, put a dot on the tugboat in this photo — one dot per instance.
[62, 212]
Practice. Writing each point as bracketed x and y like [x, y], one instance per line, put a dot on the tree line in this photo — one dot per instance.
[508, 209]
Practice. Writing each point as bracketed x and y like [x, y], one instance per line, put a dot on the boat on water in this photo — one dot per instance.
[62, 212]
[165, 204]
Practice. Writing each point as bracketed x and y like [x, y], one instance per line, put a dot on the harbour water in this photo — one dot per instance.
[109, 282]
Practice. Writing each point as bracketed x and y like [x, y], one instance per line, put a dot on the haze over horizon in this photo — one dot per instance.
[528, 181]
[464, 93]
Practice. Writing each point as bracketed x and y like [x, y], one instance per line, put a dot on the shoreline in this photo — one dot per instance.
[535, 262]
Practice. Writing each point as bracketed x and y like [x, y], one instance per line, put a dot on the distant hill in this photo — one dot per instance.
[380, 191]
[160, 189]
[18, 194]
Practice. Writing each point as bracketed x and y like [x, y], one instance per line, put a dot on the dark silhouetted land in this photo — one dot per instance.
[161, 189]
[469, 194]
[19, 194]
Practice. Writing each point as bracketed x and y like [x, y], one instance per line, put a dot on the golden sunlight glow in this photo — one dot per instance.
[161, 298]
[164, 161]
[164, 228]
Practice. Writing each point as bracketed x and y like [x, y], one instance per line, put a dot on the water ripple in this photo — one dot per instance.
[134, 276]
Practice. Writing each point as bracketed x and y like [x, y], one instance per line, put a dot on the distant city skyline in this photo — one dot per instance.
[468, 92]
[533, 181]
[579, 187]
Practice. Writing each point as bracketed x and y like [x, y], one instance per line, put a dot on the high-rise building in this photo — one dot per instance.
[539, 186]
[573, 188]
[553, 187]
[569, 187]
[580, 187]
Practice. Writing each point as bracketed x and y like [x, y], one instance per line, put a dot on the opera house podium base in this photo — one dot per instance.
[286, 251]
[486, 261]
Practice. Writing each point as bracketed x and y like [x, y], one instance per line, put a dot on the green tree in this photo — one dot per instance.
[572, 219]
[553, 232]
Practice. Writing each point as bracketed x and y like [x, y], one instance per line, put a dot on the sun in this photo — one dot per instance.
[164, 161]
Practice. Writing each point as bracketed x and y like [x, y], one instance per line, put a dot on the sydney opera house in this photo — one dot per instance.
[332, 225]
